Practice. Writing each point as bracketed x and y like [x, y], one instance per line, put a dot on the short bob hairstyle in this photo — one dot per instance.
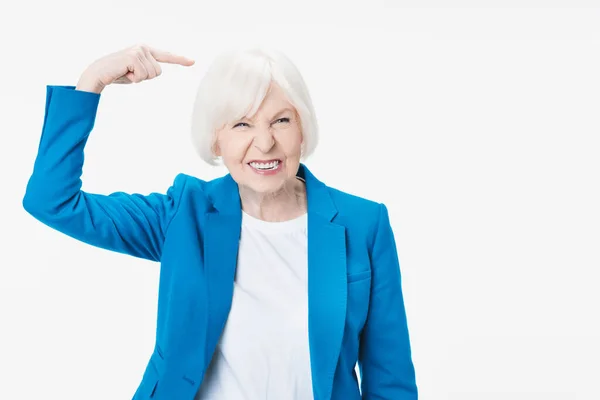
[234, 87]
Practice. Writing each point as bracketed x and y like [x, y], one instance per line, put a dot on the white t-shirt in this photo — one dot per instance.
[263, 353]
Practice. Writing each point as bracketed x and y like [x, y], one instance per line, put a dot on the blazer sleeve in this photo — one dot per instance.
[385, 360]
[133, 224]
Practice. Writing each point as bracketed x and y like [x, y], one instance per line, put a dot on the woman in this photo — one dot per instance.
[250, 305]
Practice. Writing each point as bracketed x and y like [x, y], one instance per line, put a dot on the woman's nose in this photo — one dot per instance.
[264, 140]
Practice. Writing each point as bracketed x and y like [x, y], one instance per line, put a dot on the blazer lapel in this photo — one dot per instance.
[221, 243]
[327, 284]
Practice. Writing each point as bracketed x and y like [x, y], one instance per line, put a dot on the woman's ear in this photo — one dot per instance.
[216, 149]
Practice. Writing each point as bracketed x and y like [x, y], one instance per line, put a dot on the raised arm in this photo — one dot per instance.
[385, 360]
[133, 224]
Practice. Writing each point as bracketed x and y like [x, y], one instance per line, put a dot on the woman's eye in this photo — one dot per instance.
[243, 123]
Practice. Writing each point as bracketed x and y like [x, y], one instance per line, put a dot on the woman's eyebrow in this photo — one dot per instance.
[275, 116]
[282, 111]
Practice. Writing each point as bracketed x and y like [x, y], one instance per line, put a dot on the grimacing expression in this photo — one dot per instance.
[263, 153]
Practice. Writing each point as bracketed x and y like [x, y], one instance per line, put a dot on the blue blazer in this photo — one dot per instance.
[356, 307]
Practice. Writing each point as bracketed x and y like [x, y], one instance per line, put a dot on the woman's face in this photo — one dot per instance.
[263, 153]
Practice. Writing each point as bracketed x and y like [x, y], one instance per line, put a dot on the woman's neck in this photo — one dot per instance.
[287, 203]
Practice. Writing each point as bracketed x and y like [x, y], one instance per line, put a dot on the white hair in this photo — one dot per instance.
[235, 85]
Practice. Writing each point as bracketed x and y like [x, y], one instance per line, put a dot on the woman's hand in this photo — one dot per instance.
[131, 65]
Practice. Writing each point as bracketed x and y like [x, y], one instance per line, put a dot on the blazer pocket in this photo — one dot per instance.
[359, 276]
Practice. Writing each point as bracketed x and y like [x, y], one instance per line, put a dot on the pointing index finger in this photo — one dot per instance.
[170, 58]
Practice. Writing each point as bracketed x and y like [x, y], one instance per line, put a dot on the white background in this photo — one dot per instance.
[477, 125]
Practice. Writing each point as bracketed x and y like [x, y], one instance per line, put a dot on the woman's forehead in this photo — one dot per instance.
[275, 102]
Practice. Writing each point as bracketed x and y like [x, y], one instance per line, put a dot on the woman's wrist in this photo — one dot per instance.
[89, 84]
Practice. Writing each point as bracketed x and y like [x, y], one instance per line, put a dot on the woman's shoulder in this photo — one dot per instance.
[188, 186]
[184, 182]
[346, 199]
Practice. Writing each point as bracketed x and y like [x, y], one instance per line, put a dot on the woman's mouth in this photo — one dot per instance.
[265, 167]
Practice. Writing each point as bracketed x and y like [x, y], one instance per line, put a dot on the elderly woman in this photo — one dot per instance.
[272, 284]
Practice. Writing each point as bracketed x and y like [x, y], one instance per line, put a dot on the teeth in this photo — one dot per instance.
[269, 165]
